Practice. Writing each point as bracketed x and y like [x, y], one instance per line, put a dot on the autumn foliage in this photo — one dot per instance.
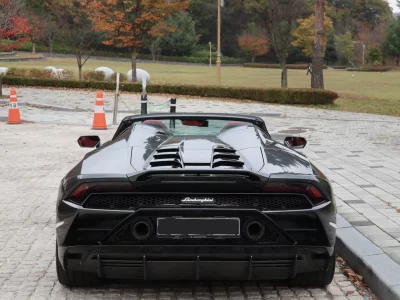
[126, 23]
[305, 33]
[14, 30]
[255, 43]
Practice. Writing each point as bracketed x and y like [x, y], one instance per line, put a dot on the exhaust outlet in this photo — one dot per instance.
[142, 230]
[254, 230]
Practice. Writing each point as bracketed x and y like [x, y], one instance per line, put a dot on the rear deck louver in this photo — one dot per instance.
[226, 157]
[167, 157]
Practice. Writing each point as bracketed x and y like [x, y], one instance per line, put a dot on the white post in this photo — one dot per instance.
[210, 53]
[116, 101]
[363, 54]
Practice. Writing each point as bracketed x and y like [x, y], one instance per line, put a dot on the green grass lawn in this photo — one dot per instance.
[359, 91]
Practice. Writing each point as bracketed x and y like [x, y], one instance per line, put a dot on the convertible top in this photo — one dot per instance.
[128, 121]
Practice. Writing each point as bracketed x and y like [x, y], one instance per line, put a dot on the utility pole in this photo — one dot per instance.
[220, 4]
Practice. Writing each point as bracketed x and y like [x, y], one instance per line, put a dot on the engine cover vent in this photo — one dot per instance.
[226, 157]
[167, 157]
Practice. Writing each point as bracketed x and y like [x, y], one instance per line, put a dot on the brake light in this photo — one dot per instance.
[312, 192]
[315, 192]
[80, 193]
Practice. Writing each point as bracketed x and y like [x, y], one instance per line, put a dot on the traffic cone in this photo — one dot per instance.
[13, 112]
[99, 120]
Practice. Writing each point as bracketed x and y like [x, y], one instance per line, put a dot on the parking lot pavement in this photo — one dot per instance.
[360, 153]
[34, 158]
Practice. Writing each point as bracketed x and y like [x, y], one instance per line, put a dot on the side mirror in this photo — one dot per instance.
[89, 141]
[295, 142]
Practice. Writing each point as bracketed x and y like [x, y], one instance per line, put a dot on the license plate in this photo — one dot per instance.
[198, 227]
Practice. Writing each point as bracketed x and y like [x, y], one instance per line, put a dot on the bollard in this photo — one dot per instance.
[172, 109]
[143, 99]
[172, 105]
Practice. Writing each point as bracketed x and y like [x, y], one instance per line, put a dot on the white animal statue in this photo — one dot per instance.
[140, 74]
[53, 70]
[3, 70]
[107, 72]
[60, 73]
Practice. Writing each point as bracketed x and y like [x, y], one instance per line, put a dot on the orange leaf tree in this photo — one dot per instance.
[14, 31]
[254, 42]
[127, 22]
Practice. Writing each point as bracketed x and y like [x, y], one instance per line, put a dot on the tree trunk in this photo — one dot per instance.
[1, 86]
[80, 72]
[317, 75]
[284, 80]
[252, 59]
[33, 47]
[133, 58]
[51, 47]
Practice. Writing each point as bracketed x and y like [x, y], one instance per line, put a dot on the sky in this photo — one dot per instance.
[394, 6]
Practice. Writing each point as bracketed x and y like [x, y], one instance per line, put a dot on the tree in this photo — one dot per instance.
[155, 49]
[126, 23]
[279, 18]
[317, 75]
[233, 19]
[14, 30]
[35, 22]
[392, 41]
[72, 19]
[181, 41]
[330, 50]
[254, 41]
[345, 47]
[304, 34]
[374, 54]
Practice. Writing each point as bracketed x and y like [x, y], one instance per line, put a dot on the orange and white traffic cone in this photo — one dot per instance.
[99, 120]
[13, 112]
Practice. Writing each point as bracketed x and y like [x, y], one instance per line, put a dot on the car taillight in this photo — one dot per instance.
[312, 192]
[81, 192]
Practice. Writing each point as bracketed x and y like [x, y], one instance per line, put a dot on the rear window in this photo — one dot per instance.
[199, 127]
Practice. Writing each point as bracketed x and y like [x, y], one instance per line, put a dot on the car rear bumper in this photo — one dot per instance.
[194, 262]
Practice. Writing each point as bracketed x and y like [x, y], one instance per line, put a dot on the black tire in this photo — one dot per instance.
[316, 279]
[75, 279]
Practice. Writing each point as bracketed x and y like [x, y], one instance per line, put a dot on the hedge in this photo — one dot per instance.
[370, 69]
[273, 95]
[276, 66]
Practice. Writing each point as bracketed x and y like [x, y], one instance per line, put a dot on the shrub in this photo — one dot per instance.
[276, 66]
[281, 96]
[370, 69]
[93, 75]
[32, 73]
[122, 77]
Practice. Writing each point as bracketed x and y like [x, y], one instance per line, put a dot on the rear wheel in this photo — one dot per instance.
[319, 278]
[73, 278]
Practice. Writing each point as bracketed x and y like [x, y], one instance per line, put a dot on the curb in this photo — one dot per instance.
[379, 271]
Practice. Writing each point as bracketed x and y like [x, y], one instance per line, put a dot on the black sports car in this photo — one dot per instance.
[196, 197]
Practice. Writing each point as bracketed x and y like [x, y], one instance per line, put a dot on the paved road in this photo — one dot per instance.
[360, 153]
[34, 158]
